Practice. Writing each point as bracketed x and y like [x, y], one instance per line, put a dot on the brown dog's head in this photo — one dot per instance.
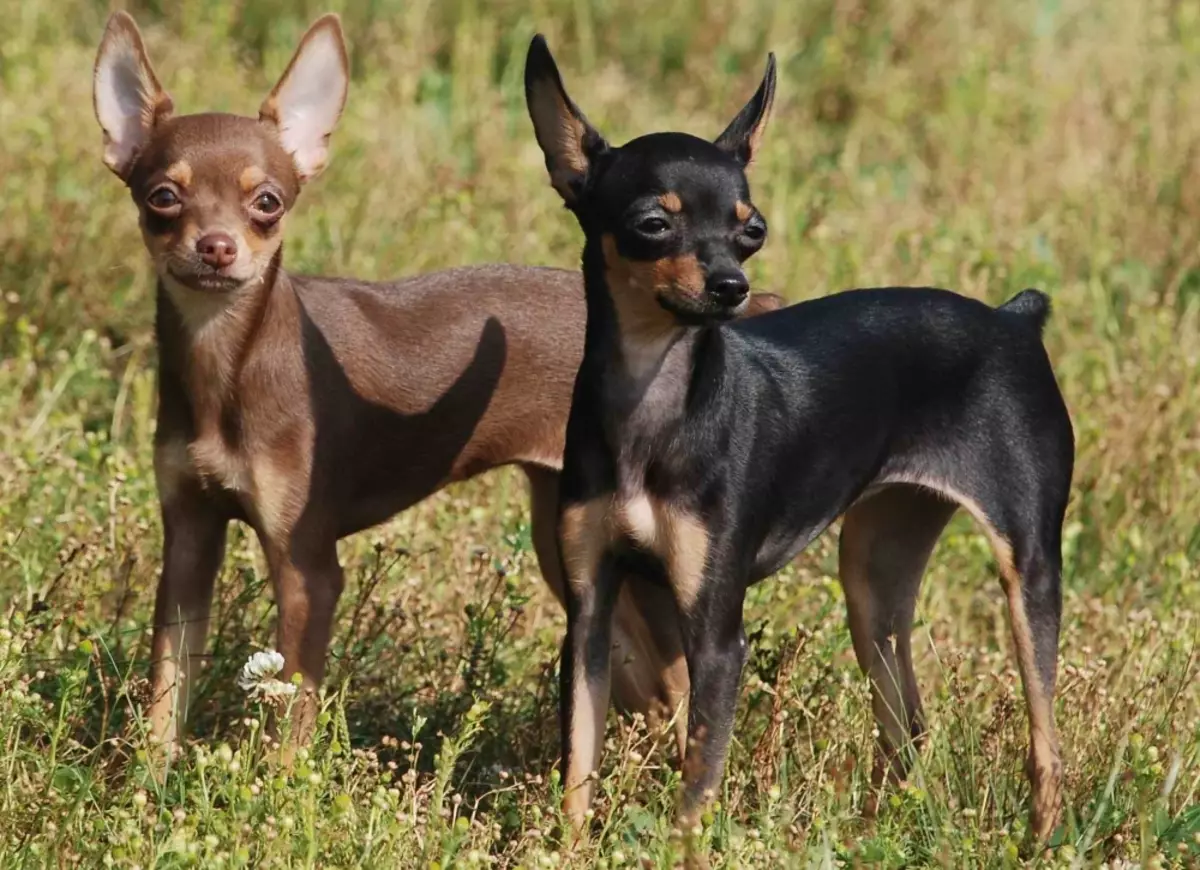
[213, 189]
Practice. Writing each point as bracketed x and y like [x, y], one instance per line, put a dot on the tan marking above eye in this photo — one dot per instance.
[180, 172]
[251, 177]
[671, 202]
[743, 210]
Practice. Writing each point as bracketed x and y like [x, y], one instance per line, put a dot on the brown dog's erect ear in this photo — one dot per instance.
[306, 103]
[744, 134]
[126, 94]
[569, 142]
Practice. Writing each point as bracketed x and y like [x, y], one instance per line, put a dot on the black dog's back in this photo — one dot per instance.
[884, 385]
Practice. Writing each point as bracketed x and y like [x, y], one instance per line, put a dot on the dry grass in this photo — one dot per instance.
[985, 147]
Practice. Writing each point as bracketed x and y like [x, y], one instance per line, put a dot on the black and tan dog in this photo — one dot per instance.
[707, 452]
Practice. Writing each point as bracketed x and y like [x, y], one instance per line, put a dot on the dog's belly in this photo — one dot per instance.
[791, 532]
[782, 547]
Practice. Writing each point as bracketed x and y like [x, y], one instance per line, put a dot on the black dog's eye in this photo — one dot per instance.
[163, 199]
[652, 226]
[267, 204]
[755, 232]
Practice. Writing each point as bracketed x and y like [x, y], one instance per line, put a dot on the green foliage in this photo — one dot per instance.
[981, 146]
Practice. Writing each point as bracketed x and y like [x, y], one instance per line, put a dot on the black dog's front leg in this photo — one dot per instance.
[716, 652]
[584, 673]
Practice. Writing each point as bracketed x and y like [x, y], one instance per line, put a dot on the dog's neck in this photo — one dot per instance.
[639, 371]
[205, 338]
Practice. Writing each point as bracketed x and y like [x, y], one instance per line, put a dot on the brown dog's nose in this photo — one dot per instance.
[217, 250]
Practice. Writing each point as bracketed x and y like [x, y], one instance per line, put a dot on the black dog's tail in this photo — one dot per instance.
[1032, 305]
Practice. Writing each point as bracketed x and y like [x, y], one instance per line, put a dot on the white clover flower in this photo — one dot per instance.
[258, 676]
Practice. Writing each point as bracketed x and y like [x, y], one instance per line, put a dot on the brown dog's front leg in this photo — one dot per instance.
[308, 582]
[193, 546]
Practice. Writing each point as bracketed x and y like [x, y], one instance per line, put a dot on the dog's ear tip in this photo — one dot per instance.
[120, 21]
[329, 21]
[771, 66]
[539, 52]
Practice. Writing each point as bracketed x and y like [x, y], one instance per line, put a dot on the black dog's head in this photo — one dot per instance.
[672, 212]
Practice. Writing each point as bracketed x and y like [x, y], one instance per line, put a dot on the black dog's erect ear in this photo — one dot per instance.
[569, 142]
[744, 134]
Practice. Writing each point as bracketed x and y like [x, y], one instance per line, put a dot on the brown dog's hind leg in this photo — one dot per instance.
[886, 541]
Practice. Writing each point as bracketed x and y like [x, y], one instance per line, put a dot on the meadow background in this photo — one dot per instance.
[981, 146]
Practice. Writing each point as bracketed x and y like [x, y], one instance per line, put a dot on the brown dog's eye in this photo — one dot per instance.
[267, 204]
[163, 200]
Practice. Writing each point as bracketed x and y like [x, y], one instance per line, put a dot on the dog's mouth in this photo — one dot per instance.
[206, 282]
[696, 310]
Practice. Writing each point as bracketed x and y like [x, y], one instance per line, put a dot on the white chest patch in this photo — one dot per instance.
[636, 517]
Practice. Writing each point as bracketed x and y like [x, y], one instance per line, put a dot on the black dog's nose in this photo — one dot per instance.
[217, 250]
[730, 288]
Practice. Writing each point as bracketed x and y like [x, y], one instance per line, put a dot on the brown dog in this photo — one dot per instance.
[312, 408]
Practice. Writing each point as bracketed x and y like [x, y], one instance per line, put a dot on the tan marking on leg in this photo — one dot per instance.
[180, 172]
[687, 557]
[676, 536]
[589, 707]
[671, 202]
[1044, 764]
[585, 531]
[252, 176]
[743, 211]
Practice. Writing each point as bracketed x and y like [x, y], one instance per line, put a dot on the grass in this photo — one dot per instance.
[981, 146]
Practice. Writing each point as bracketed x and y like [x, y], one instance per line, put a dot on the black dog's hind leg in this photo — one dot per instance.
[1032, 575]
[1024, 526]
